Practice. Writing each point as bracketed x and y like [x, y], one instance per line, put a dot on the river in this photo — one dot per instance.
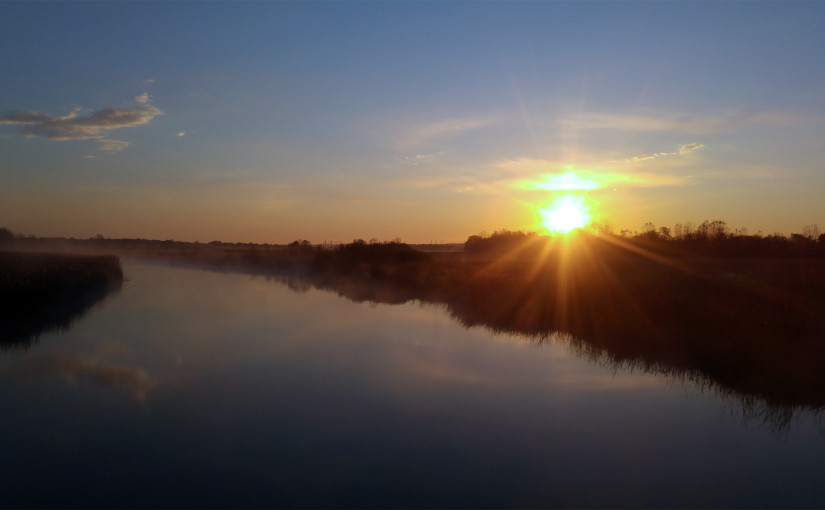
[191, 388]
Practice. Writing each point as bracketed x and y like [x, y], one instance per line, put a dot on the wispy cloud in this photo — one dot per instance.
[540, 174]
[74, 127]
[676, 122]
[143, 98]
[109, 145]
[429, 181]
[440, 130]
[423, 159]
[34, 117]
[80, 128]
[181, 133]
[684, 149]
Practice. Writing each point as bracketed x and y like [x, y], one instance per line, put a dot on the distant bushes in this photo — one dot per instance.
[715, 239]
[708, 239]
[393, 262]
[6, 236]
[499, 241]
[359, 251]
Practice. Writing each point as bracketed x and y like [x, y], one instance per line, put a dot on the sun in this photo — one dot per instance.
[565, 213]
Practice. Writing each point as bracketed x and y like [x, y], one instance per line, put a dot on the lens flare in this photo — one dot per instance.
[565, 213]
[566, 181]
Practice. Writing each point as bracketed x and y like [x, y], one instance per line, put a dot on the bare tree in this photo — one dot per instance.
[687, 229]
[811, 231]
[677, 231]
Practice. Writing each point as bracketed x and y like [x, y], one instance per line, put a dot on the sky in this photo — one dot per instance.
[426, 121]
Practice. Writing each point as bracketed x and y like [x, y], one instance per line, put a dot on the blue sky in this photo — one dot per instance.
[271, 121]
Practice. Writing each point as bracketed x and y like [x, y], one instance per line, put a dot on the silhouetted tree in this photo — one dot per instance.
[500, 240]
[811, 231]
[300, 246]
[687, 230]
[648, 232]
[6, 235]
[714, 230]
[604, 229]
[473, 243]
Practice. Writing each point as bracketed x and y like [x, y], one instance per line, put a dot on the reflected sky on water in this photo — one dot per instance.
[195, 388]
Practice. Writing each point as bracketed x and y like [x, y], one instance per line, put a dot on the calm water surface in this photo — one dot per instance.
[200, 389]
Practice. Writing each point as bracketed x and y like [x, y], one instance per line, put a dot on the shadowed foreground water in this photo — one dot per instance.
[200, 389]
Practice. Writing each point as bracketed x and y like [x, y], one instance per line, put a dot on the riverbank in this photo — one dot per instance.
[44, 291]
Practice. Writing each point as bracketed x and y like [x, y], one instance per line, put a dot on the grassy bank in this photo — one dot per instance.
[42, 291]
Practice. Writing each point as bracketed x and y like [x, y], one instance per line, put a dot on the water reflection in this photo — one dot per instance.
[774, 367]
[135, 381]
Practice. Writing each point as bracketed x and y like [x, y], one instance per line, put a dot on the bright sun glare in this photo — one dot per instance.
[565, 213]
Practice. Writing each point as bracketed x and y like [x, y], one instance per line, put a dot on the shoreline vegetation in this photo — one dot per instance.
[741, 314]
[41, 292]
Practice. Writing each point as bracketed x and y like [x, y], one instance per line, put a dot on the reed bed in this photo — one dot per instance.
[45, 291]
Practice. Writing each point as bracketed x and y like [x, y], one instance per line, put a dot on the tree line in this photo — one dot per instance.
[709, 238]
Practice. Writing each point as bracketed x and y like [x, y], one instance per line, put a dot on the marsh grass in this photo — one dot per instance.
[41, 292]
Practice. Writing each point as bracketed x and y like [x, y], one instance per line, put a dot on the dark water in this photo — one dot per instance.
[200, 389]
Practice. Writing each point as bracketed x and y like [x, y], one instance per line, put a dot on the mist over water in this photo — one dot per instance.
[197, 388]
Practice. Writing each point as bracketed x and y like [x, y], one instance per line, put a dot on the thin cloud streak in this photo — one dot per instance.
[674, 122]
[109, 145]
[34, 117]
[441, 131]
[539, 174]
[684, 149]
[73, 127]
[423, 159]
